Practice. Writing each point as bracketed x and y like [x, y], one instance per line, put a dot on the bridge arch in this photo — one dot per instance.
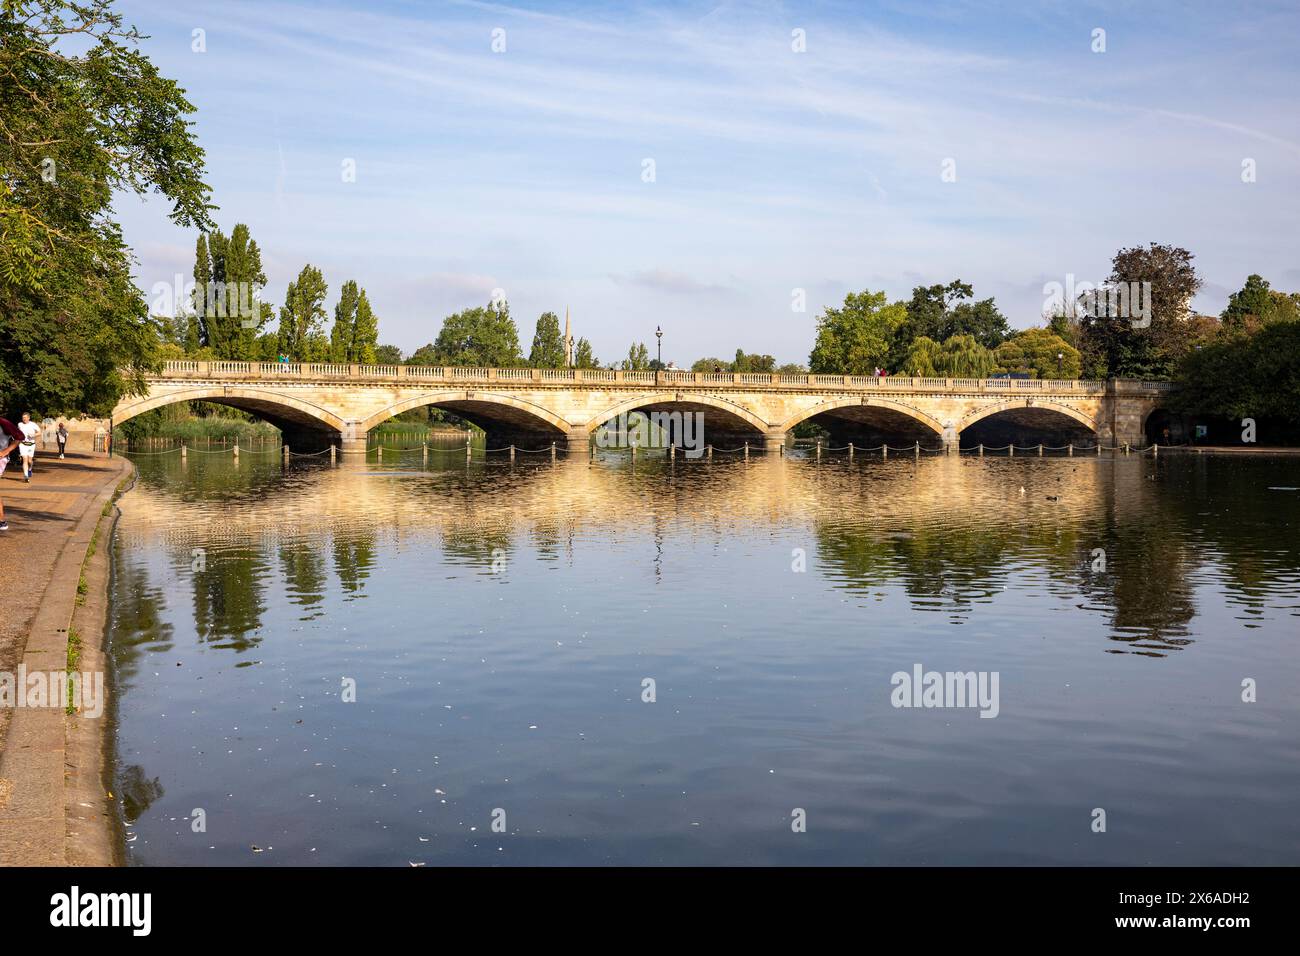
[1027, 421]
[516, 413]
[282, 410]
[986, 411]
[833, 404]
[739, 414]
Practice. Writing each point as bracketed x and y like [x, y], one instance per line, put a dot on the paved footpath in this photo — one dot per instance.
[51, 524]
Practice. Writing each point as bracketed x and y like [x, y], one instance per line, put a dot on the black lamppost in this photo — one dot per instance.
[1059, 358]
[659, 346]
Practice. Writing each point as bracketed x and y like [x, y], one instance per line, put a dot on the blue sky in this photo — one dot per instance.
[774, 170]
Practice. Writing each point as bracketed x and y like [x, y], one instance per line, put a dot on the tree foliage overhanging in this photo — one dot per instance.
[82, 114]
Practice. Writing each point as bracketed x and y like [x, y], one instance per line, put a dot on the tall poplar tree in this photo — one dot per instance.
[365, 333]
[345, 320]
[302, 317]
[548, 343]
[228, 281]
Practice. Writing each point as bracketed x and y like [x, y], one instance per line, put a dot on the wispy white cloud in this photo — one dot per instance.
[774, 169]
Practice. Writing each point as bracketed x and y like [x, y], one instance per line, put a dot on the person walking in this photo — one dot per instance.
[27, 446]
[10, 436]
[61, 436]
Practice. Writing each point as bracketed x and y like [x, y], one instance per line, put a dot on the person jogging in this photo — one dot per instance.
[10, 436]
[27, 445]
[61, 436]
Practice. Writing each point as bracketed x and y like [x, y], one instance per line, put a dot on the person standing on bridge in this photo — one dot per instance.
[10, 436]
[27, 446]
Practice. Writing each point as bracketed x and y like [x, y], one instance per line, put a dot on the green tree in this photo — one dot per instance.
[1244, 376]
[424, 355]
[1063, 323]
[485, 337]
[548, 343]
[388, 355]
[708, 364]
[582, 355]
[267, 347]
[228, 281]
[939, 312]
[84, 116]
[301, 338]
[856, 338]
[365, 333]
[1035, 351]
[638, 358]
[1256, 304]
[1122, 345]
[922, 358]
[752, 363]
[962, 356]
[345, 320]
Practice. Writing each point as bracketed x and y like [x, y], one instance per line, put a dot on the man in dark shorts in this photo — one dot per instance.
[10, 436]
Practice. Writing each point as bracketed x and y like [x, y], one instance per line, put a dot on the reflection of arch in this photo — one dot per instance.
[671, 398]
[261, 401]
[986, 411]
[870, 402]
[471, 397]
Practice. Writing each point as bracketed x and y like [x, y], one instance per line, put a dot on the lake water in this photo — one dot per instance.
[501, 624]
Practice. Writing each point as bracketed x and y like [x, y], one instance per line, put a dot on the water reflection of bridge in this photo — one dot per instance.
[950, 531]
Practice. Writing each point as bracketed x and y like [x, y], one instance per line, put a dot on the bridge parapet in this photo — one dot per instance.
[761, 381]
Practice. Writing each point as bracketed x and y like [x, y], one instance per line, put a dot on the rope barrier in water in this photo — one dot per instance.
[165, 451]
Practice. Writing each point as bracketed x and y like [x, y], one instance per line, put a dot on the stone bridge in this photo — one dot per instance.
[318, 404]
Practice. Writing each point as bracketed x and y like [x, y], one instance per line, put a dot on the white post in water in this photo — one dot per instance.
[424, 452]
[334, 453]
[552, 451]
[850, 451]
[918, 449]
[236, 449]
[183, 452]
